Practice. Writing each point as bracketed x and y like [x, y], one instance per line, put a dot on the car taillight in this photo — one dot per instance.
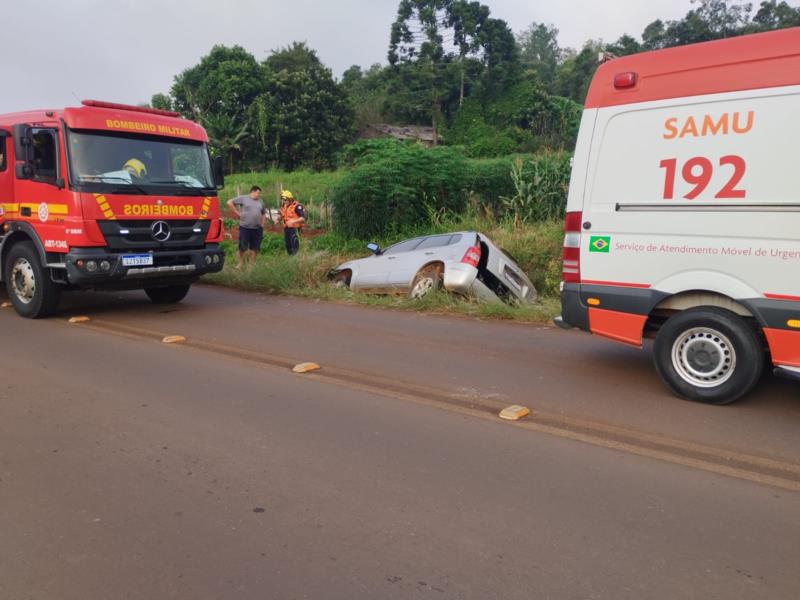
[472, 256]
[572, 247]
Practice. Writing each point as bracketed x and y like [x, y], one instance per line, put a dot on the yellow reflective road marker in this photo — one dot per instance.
[173, 339]
[306, 367]
[80, 319]
[515, 413]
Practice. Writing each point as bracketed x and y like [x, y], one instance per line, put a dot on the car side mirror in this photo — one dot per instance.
[374, 248]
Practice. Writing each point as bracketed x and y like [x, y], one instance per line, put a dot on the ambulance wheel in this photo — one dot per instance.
[31, 290]
[426, 281]
[709, 355]
[171, 294]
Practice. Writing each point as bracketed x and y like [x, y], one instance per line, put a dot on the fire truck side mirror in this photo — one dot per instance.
[219, 172]
[23, 147]
[24, 171]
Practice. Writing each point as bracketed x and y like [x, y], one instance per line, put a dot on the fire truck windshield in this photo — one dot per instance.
[123, 163]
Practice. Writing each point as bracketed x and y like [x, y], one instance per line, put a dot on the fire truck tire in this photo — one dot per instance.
[709, 355]
[171, 294]
[31, 290]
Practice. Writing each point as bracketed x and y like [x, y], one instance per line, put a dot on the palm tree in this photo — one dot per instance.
[226, 133]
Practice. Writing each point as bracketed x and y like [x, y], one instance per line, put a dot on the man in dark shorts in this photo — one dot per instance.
[293, 216]
[252, 216]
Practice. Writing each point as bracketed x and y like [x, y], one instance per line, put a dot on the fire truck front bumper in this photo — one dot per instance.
[100, 268]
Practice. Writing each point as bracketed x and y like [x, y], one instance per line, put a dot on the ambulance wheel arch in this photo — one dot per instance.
[701, 298]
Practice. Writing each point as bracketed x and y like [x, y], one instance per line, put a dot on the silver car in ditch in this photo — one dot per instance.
[466, 263]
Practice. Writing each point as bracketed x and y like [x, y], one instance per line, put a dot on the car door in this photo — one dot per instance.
[429, 249]
[373, 272]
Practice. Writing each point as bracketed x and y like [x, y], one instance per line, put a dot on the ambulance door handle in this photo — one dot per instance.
[587, 225]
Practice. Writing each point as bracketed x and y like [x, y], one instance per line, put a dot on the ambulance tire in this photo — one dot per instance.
[171, 294]
[709, 355]
[30, 288]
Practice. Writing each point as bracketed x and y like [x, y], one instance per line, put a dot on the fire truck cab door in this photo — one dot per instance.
[6, 171]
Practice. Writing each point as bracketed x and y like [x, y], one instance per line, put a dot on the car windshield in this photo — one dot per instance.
[139, 164]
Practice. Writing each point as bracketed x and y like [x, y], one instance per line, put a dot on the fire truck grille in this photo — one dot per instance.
[147, 235]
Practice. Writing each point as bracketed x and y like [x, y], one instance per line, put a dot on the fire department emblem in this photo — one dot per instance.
[44, 212]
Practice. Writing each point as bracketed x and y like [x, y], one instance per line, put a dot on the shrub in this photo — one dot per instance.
[526, 187]
[394, 188]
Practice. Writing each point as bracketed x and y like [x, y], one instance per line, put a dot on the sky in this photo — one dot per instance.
[61, 51]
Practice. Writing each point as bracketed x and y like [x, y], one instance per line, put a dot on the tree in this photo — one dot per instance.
[161, 101]
[539, 51]
[624, 46]
[775, 15]
[367, 92]
[303, 116]
[226, 134]
[710, 20]
[433, 43]
[654, 35]
[226, 81]
[575, 74]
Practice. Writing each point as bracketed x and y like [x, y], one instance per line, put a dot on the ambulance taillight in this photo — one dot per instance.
[572, 247]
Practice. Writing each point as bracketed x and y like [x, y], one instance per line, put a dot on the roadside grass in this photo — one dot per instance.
[535, 247]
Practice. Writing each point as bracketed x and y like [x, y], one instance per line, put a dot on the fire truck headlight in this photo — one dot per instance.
[105, 265]
[91, 266]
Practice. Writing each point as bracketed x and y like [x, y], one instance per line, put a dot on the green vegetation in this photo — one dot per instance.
[394, 187]
[452, 66]
[536, 248]
[503, 113]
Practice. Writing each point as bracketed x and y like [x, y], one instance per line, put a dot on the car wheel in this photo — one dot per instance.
[709, 355]
[341, 279]
[171, 294]
[426, 281]
[31, 290]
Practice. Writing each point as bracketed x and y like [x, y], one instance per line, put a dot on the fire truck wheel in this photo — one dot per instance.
[31, 290]
[709, 355]
[171, 294]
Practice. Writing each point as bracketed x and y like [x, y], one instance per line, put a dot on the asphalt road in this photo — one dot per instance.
[134, 469]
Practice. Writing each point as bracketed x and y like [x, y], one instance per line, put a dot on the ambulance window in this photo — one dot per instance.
[2, 153]
[44, 153]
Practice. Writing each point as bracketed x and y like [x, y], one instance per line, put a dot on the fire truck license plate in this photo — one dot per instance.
[137, 260]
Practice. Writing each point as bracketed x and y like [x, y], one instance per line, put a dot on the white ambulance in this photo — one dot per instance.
[683, 216]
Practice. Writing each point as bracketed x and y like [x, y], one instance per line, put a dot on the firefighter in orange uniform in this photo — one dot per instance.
[293, 217]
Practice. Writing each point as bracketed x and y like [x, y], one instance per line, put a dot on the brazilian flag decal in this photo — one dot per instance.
[600, 244]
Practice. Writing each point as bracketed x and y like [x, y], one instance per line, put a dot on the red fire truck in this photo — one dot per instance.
[105, 196]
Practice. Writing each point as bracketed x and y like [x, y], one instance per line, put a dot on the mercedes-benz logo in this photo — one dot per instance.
[160, 231]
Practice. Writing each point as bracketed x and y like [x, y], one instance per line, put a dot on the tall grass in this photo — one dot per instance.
[535, 247]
